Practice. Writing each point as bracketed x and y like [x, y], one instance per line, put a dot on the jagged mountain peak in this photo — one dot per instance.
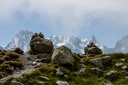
[122, 45]
[21, 40]
[93, 39]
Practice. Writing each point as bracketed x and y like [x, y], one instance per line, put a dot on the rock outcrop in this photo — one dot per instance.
[39, 44]
[62, 55]
[92, 49]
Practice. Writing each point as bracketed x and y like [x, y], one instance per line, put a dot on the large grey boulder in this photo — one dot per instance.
[39, 44]
[112, 75]
[92, 49]
[97, 62]
[62, 56]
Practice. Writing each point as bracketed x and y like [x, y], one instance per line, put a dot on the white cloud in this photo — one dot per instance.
[72, 15]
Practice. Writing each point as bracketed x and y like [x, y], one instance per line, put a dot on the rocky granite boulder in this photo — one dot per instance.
[39, 44]
[97, 62]
[62, 56]
[97, 71]
[107, 61]
[112, 75]
[92, 49]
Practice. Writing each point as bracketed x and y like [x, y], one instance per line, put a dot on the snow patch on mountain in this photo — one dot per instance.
[76, 44]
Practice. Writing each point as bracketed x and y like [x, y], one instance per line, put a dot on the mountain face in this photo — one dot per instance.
[76, 44]
[20, 40]
[1, 47]
[122, 45]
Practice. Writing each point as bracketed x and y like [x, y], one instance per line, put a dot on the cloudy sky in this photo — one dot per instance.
[107, 20]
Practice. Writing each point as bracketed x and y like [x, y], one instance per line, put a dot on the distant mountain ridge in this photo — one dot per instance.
[20, 40]
[1, 47]
[122, 45]
[76, 44]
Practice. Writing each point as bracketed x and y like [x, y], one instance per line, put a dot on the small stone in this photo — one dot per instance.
[119, 64]
[122, 59]
[45, 78]
[38, 65]
[108, 83]
[59, 72]
[83, 66]
[34, 63]
[66, 77]
[84, 79]
[62, 83]
[40, 83]
[124, 67]
[126, 77]
[81, 71]
[38, 60]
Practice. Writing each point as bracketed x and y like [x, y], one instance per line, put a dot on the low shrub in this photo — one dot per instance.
[117, 56]
[1, 60]
[32, 52]
[4, 66]
[3, 74]
[3, 52]
[76, 66]
[7, 82]
[12, 55]
[15, 64]
[6, 57]
[18, 50]
[9, 70]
